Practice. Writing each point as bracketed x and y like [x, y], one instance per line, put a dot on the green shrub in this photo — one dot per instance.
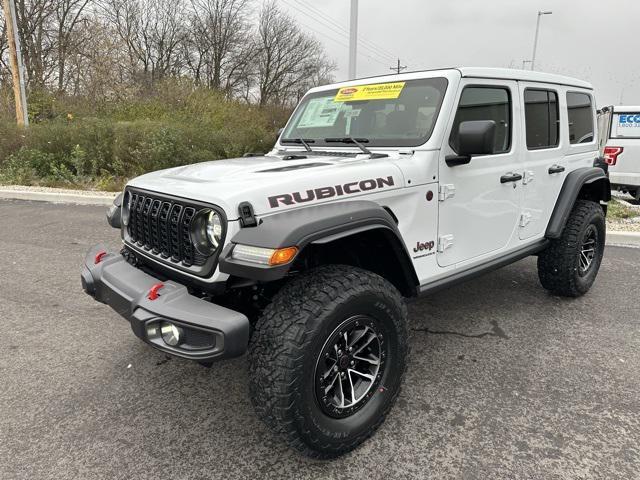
[76, 143]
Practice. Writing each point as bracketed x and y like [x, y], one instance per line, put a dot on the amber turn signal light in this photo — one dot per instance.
[283, 255]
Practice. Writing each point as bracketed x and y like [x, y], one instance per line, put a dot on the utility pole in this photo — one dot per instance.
[535, 40]
[353, 40]
[524, 64]
[399, 68]
[15, 60]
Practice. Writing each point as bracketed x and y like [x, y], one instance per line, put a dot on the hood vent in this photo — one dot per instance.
[289, 168]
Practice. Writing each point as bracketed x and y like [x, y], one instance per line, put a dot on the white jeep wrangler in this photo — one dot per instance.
[377, 190]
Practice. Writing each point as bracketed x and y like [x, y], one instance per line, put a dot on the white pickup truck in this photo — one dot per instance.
[621, 127]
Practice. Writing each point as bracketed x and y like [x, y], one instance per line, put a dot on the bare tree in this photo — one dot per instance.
[220, 44]
[36, 22]
[69, 13]
[153, 31]
[112, 48]
[286, 57]
[91, 73]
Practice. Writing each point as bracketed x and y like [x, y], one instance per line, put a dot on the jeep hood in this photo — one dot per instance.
[294, 182]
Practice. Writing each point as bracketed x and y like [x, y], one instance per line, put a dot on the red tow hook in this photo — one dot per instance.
[153, 291]
[99, 256]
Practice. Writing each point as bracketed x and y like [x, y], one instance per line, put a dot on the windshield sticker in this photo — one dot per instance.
[320, 112]
[378, 91]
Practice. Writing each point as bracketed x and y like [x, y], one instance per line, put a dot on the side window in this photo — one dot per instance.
[580, 117]
[541, 116]
[485, 103]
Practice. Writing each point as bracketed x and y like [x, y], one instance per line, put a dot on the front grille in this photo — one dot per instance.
[163, 227]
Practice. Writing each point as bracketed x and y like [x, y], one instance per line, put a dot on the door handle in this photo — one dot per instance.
[510, 177]
[556, 169]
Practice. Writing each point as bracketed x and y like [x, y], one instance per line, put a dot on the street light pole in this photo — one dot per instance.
[353, 40]
[535, 41]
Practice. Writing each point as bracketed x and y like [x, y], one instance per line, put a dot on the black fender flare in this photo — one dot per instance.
[114, 213]
[318, 224]
[599, 188]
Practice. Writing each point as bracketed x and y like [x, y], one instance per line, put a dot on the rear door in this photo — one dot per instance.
[543, 151]
[560, 136]
[478, 213]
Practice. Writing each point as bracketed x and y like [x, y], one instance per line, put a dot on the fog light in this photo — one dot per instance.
[171, 334]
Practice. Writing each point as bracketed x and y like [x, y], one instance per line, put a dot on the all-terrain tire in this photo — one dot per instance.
[559, 266]
[287, 346]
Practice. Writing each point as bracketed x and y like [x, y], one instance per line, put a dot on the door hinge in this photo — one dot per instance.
[446, 191]
[444, 242]
[527, 177]
[525, 218]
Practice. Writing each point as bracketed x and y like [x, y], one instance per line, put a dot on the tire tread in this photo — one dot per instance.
[283, 333]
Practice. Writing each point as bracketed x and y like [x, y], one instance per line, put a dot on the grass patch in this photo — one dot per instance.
[619, 211]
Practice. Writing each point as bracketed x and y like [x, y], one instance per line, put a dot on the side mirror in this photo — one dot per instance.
[475, 137]
[280, 131]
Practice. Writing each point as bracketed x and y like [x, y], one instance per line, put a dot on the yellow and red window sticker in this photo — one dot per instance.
[376, 91]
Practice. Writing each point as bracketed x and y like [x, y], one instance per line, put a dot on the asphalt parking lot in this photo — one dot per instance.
[505, 381]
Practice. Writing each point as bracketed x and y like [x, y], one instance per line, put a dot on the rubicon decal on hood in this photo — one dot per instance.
[321, 193]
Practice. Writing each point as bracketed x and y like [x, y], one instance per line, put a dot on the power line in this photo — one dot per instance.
[341, 43]
[339, 30]
[362, 40]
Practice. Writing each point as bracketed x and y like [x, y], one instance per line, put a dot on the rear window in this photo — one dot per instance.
[625, 125]
[541, 118]
[580, 117]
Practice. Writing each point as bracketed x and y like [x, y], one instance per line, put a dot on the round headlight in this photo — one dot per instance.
[214, 229]
[126, 204]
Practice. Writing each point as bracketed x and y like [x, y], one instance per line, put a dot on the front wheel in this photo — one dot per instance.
[327, 359]
[570, 265]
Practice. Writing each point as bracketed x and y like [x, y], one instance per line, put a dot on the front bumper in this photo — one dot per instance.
[211, 332]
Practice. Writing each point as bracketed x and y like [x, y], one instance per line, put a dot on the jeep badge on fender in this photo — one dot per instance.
[303, 257]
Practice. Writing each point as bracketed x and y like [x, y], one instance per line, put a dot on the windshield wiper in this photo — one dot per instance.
[356, 141]
[303, 141]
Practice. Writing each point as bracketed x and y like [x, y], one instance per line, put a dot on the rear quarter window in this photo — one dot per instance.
[580, 115]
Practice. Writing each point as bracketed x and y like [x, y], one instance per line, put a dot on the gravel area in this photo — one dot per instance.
[626, 225]
[64, 191]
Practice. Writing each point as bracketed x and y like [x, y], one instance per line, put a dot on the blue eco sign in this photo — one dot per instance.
[632, 120]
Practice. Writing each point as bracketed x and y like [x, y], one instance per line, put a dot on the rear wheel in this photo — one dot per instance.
[571, 263]
[327, 359]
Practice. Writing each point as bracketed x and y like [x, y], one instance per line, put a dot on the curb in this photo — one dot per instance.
[624, 239]
[58, 197]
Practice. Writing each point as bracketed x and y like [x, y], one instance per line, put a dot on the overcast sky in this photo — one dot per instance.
[595, 40]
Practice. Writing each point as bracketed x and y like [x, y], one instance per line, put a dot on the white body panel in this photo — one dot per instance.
[484, 215]
[625, 133]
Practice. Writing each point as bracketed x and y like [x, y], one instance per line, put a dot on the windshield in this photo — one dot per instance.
[400, 114]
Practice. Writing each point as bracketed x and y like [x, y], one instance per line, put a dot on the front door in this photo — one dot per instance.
[479, 204]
